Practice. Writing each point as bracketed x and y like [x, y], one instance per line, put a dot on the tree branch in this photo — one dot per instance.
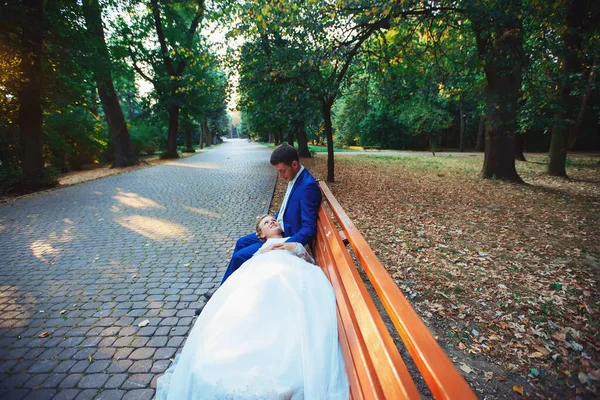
[372, 28]
[141, 72]
[190, 35]
[161, 37]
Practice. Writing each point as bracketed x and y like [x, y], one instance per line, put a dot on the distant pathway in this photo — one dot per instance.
[90, 263]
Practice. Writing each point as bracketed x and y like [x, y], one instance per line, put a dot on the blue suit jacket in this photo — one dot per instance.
[300, 216]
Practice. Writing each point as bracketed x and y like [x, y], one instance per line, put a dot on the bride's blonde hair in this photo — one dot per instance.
[258, 231]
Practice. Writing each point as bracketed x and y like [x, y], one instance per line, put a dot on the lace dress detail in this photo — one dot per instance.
[300, 251]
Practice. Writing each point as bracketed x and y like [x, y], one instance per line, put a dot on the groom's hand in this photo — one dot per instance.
[289, 246]
[280, 246]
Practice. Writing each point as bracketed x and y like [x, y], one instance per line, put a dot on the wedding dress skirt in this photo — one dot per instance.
[269, 332]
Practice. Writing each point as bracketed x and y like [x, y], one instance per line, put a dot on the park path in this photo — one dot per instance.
[90, 263]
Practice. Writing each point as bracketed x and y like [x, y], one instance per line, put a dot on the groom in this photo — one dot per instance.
[297, 215]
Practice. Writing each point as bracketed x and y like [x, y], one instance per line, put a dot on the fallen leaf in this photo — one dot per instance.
[144, 323]
[518, 389]
[542, 350]
[488, 375]
[466, 368]
[44, 334]
[536, 354]
[90, 358]
[556, 286]
[461, 346]
[534, 372]
[575, 346]
[63, 311]
[559, 337]
[595, 375]
[583, 378]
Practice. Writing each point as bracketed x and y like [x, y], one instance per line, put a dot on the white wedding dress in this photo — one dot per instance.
[269, 332]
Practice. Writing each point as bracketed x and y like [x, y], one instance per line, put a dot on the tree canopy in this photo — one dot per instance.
[498, 77]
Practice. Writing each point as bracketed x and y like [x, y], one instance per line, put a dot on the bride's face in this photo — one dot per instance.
[269, 227]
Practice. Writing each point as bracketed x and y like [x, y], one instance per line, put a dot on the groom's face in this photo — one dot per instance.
[287, 172]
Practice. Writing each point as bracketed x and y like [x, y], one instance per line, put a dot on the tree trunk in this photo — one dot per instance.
[300, 132]
[480, 145]
[572, 41]
[189, 147]
[462, 127]
[124, 154]
[499, 160]
[502, 58]
[172, 134]
[276, 138]
[30, 95]
[202, 135]
[520, 146]
[290, 137]
[559, 143]
[209, 139]
[576, 130]
[326, 106]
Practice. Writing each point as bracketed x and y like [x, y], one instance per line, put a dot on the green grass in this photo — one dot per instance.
[471, 165]
[454, 165]
[323, 149]
[581, 162]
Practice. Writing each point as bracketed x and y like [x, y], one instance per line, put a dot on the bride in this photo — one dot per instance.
[269, 332]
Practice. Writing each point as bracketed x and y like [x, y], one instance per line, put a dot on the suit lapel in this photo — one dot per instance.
[296, 184]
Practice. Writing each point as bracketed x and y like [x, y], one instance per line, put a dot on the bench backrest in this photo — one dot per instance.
[374, 365]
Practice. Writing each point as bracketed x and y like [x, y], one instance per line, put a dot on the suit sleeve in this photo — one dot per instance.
[309, 209]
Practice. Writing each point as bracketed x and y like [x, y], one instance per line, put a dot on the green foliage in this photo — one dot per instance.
[73, 138]
[425, 117]
[10, 178]
[147, 137]
[380, 128]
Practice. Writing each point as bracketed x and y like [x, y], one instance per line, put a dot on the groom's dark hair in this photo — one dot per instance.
[284, 153]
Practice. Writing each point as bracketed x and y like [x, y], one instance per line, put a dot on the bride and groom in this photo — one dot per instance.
[270, 330]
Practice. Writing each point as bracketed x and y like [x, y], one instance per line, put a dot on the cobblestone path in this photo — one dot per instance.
[83, 267]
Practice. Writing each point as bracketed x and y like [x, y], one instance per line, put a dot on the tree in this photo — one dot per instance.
[498, 33]
[174, 26]
[571, 67]
[272, 101]
[101, 65]
[30, 94]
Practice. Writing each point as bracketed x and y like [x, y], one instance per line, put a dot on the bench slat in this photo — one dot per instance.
[438, 371]
[356, 393]
[372, 342]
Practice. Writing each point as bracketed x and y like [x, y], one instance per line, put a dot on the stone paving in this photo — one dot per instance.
[99, 281]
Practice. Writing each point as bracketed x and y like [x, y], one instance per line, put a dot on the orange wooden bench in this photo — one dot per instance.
[374, 365]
